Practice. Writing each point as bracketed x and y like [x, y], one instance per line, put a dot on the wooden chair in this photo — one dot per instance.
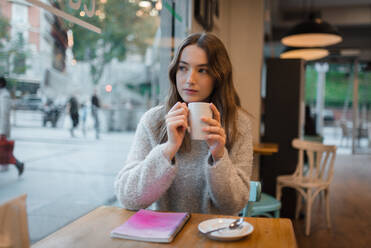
[314, 138]
[13, 224]
[315, 180]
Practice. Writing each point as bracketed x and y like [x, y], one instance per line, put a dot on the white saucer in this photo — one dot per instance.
[225, 234]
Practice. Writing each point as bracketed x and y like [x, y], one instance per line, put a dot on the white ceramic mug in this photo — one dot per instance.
[197, 110]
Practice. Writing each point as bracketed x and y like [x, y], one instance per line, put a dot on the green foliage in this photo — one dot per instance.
[6, 51]
[122, 32]
[4, 37]
[4, 30]
[339, 86]
[310, 85]
[142, 89]
[15, 50]
[20, 55]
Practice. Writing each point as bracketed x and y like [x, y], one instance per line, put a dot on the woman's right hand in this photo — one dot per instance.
[176, 126]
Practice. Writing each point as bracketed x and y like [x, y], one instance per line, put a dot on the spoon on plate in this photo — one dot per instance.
[235, 224]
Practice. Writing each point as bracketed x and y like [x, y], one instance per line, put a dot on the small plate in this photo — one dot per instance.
[225, 234]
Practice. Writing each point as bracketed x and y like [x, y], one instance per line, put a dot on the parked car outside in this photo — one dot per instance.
[31, 102]
[51, 112]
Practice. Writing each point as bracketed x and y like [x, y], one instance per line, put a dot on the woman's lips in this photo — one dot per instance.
[190, 91]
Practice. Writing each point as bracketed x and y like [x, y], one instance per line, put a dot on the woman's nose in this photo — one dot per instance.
[191, 79]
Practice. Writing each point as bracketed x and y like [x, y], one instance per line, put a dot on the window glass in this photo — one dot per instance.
[80, 74]
[337, 124]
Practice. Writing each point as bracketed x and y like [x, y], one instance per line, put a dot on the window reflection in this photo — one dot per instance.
[63, 58]
[47, 60]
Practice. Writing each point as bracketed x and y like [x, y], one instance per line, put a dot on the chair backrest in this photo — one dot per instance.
[13, 224]
[314, 138]
[255, 191]
[321, 160]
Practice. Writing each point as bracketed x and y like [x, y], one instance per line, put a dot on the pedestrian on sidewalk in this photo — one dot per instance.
[73, 109]
[6, 146]
[95, 106]
[5, 108]
[310, 123]
[83, 114]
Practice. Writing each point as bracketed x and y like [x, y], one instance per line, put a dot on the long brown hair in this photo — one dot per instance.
[223, 96]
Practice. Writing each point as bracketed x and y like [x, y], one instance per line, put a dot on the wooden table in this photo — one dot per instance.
[93, 230]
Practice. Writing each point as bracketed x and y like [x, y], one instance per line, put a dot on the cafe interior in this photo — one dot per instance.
[314, 182]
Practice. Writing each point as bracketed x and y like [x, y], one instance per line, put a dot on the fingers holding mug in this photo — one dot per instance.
[216, 113]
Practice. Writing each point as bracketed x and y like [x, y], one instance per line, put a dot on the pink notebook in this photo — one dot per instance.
[151, 226]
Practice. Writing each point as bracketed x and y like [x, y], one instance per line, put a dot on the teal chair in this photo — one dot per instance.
[261, 204]
[255, 195]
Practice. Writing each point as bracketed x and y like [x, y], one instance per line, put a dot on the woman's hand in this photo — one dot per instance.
[216, 137]
[176, 126]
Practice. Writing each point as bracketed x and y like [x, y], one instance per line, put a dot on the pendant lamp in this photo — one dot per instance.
[306, 53]
[312, 33]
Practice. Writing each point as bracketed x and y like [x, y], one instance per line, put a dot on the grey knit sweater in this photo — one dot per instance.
[192, 184]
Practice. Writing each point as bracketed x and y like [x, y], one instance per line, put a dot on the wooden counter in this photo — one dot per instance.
[265, 148]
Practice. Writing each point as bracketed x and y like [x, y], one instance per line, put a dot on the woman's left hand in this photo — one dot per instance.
[216, 137]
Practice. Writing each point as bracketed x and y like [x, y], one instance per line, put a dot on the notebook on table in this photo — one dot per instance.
[151, 226]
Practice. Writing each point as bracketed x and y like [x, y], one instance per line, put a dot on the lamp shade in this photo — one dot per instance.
[312, 53]
[312, 33]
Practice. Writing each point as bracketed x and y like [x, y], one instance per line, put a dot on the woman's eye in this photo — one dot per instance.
[203, 70]
[182, 68]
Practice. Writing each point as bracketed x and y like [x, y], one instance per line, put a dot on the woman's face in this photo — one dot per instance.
[193, 81]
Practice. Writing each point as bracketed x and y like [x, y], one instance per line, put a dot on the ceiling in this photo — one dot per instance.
[352, 18]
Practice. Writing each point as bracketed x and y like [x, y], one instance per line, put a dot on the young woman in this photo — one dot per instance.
[167, 171]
